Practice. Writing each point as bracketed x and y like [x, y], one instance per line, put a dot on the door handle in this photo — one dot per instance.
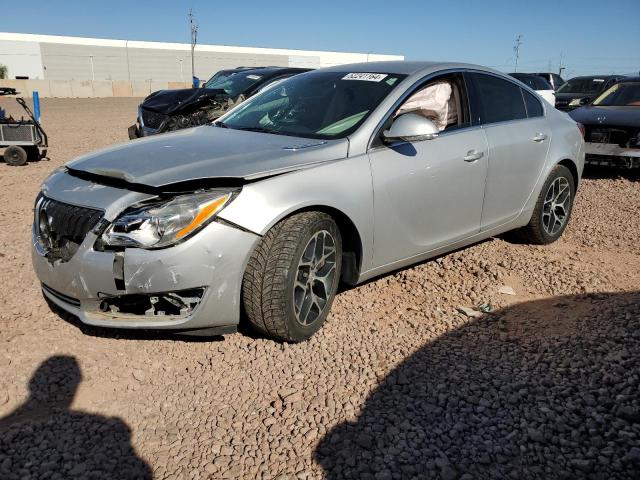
[473, 155]
[540, 137]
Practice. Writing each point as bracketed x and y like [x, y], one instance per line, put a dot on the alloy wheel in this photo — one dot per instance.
[557, 203]
[315, 278]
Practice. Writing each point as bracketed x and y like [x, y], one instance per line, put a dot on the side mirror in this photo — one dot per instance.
[411, 127]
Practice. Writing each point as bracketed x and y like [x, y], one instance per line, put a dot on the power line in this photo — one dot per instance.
[194, 39]
[516, 49]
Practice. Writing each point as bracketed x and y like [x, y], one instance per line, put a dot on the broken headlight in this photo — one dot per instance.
[164, 224]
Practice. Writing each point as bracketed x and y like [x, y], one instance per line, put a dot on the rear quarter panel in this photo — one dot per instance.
[566, 144]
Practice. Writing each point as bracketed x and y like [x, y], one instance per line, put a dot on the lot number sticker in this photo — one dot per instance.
[365, 77]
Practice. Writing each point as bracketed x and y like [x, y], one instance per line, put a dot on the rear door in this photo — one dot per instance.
[518, 139]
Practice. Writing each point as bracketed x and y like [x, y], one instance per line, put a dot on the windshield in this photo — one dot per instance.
[233, 83]
[315, 105]
[582, 85]
[621, 94]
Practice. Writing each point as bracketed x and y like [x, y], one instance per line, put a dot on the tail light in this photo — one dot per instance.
[581, 128]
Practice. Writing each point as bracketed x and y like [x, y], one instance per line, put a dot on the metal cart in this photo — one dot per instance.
[23, 139]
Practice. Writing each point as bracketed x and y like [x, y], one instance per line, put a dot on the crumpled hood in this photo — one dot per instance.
[172, 101]
[615, 116]
[207, 152]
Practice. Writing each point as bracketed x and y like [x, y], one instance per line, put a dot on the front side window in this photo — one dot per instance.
[498, 100]
[621, 94]
[322, 105]
[442, 100]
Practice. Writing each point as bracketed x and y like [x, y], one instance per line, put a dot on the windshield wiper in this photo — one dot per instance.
[258, 129]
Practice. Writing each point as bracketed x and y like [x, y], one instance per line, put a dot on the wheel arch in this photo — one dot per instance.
[573, 168]
[352, 248]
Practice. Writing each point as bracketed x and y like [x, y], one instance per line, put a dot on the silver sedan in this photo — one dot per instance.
[336, 175]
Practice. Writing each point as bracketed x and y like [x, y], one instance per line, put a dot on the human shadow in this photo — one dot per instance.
[542, 389]
[45, 438]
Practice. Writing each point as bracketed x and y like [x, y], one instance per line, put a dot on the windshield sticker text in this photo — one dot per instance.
[366, 77]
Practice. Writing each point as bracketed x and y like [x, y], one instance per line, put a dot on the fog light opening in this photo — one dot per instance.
[181, 303]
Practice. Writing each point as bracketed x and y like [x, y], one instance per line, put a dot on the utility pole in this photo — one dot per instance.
[561, 67]
[516, 49]
[194, 38]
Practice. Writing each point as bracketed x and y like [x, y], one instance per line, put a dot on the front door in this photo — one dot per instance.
[427, 194]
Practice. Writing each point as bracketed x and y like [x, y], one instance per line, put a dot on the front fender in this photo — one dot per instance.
[344, 185]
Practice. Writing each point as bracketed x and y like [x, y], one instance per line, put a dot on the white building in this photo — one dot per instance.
[49, 57]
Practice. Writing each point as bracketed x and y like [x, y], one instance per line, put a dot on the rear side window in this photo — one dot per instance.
[534, 107]
[497, 100]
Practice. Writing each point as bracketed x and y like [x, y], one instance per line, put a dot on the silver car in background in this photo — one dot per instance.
[339, 174]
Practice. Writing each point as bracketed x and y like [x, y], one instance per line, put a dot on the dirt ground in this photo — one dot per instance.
[397, 384]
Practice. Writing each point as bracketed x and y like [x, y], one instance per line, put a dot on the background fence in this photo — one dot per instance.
[89, 88]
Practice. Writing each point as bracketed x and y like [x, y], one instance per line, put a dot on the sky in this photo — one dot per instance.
[588, 37]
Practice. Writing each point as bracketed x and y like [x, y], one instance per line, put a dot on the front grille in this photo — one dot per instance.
[61, 296]
[614, 135]
[152, 119]
[62, 227]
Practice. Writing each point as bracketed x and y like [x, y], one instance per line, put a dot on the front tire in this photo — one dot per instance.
[292, 277]
[553, 208]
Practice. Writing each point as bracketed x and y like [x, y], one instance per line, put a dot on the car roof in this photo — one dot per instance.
[522, 74]
[265, 70]
[404, 67]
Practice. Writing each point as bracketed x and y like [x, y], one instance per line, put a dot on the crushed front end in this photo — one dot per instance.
[188, 286]
[200, 110]
[612, 146]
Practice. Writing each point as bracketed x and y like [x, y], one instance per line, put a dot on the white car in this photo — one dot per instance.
[539, 84]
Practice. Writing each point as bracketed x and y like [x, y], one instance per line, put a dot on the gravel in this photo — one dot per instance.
[398, 384]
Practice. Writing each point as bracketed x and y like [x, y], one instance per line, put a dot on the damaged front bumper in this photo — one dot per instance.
[613, 155]
[190, 286]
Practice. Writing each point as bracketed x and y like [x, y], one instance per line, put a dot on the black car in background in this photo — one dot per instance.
[554, 79]
[532, 81]
[612, 125]
[167, 110]
[581, 90]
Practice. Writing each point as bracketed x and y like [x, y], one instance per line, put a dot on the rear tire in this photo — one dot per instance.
[553, 208]
[292, 277]
[15, 156]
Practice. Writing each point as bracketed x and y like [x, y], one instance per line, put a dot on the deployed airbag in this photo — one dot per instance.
[436, 102]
